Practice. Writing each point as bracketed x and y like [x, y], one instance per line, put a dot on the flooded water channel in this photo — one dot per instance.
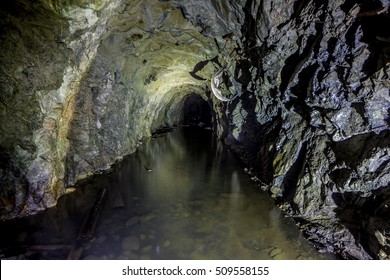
[181, 196]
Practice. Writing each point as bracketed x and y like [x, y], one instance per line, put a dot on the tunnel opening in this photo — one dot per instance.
[196, 111]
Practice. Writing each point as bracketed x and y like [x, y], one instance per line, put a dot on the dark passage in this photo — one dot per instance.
[196, 111]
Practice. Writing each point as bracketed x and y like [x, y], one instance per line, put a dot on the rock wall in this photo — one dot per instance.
[47, 47]
[313, 122]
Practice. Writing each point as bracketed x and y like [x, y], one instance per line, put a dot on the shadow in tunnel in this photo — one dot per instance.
[373, 19]
[367, 218]
[196, 111]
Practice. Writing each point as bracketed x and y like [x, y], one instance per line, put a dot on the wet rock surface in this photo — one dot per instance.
[48, 46]
[83, 84]
[313, 124]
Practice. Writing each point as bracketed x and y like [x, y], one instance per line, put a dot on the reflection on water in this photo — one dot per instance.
[182, 196]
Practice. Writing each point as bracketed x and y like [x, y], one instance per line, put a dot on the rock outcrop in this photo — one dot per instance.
[47, 48]
[313, 121]
[84, 82]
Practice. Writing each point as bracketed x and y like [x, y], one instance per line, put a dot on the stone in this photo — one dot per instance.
[186, 214]
[101, 239]
[275, 252]
[132, 221]
[115, 228]
[129, 255]
[131, 243]
[381, 238]
[147, 218]
[147, 249]
[70, 190]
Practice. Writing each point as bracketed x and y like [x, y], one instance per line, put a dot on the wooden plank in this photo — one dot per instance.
[88, 227]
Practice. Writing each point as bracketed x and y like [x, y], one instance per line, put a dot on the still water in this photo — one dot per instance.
[181, 196]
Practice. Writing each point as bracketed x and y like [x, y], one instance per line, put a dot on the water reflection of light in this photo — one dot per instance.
[235, 184]
[166, 181]
[234, 192]
[196, 204]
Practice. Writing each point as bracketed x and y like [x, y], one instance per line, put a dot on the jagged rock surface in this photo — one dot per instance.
[47, 46]
[83, 82]
[314, 121]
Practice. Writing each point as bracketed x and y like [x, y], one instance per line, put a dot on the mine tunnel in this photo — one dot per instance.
[194, 129]
[196, 112]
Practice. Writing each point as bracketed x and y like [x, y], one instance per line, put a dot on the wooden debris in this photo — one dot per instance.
[88, 227]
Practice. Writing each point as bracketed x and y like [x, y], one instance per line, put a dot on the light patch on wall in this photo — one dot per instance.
[239, 115]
